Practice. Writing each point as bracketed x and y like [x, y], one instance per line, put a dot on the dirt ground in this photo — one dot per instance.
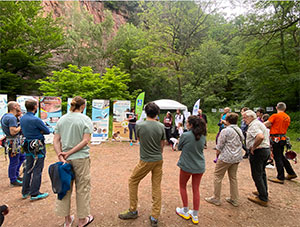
[111, 166]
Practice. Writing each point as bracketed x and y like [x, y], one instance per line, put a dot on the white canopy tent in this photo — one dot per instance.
[168, 104]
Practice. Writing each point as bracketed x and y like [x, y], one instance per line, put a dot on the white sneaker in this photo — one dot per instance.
[270, 166]
[213, 200]
[181, 213]
[195, 219]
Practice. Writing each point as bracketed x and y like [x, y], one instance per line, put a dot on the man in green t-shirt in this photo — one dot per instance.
[151, 135]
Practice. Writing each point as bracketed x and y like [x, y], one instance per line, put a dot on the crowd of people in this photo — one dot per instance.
[259, 135]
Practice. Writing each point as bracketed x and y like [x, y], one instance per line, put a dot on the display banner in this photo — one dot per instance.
[196, 107]
[3, 110]
[139, 104]
[270, 109]
[69, 105]
[120, 123]
[100, 118]
[214, 110]
[21, 99]
[50, 111]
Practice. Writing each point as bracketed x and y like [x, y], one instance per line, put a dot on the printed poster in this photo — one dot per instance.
[69, 106]
[50, 111]
[21, 99]
[100, 118]
[120, 122]
[3, 109]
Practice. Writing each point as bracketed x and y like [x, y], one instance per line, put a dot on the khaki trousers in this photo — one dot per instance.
[139, 172]
[81, 168]
[220, 170]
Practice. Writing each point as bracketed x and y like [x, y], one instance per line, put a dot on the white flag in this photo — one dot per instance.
[196, 107]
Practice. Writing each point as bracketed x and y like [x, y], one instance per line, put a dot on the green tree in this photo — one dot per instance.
[85, 40]
[270, 60]
[27, 41]
[84, 82]
[181, 27]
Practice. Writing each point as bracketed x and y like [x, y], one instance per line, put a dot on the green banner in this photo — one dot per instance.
[139, 104]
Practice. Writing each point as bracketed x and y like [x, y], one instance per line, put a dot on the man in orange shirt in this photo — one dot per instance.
[278, 124]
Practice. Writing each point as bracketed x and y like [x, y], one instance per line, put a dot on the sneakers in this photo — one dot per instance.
[181, 213]
[127, 214]
[17, 183]
[131, 144]
[213, 200]
[153, 221]
[276, 180]
[290, 177]
[232, 202]
[195, 219]
[20, 178]
[255, 193]
[258, 201]
[25, 196]
[39, 196]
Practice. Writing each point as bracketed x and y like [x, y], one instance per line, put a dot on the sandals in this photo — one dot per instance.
[72, 220]
[91, 219]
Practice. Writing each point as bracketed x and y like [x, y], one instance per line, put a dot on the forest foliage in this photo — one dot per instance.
[182, 50]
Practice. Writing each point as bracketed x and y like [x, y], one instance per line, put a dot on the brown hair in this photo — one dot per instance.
[76, 103]
[198, 126]
[30, 104]
[232, 118]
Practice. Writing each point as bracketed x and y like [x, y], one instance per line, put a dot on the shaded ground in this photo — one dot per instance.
[111, 167]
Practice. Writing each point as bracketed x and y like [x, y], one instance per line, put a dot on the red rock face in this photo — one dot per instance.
[58, 8]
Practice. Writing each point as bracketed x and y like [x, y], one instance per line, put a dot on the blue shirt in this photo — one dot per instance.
[8, 120]
[32, 127]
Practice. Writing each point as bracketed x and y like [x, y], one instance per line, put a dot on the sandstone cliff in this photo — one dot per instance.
[58, 8]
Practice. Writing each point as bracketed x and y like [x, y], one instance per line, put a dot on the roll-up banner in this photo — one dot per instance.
[50, 114]
[139, 104]
[100, 118]
[120, 122]
[3, 110]
[69, 105]
[21, 99]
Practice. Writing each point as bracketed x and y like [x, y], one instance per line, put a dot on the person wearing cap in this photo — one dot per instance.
[258, 143]
[278, 124]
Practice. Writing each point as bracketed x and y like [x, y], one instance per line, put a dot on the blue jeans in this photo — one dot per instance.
[32, 180]
[258, 163]
[132, 129]
[15, 163]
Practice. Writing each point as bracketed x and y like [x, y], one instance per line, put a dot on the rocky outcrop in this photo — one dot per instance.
[59, 8]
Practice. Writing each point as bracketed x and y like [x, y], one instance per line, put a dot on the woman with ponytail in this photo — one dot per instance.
[191, 163]
[72, 136]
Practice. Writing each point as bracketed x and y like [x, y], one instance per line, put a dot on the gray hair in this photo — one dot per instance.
[281, 106]
[250, 113]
